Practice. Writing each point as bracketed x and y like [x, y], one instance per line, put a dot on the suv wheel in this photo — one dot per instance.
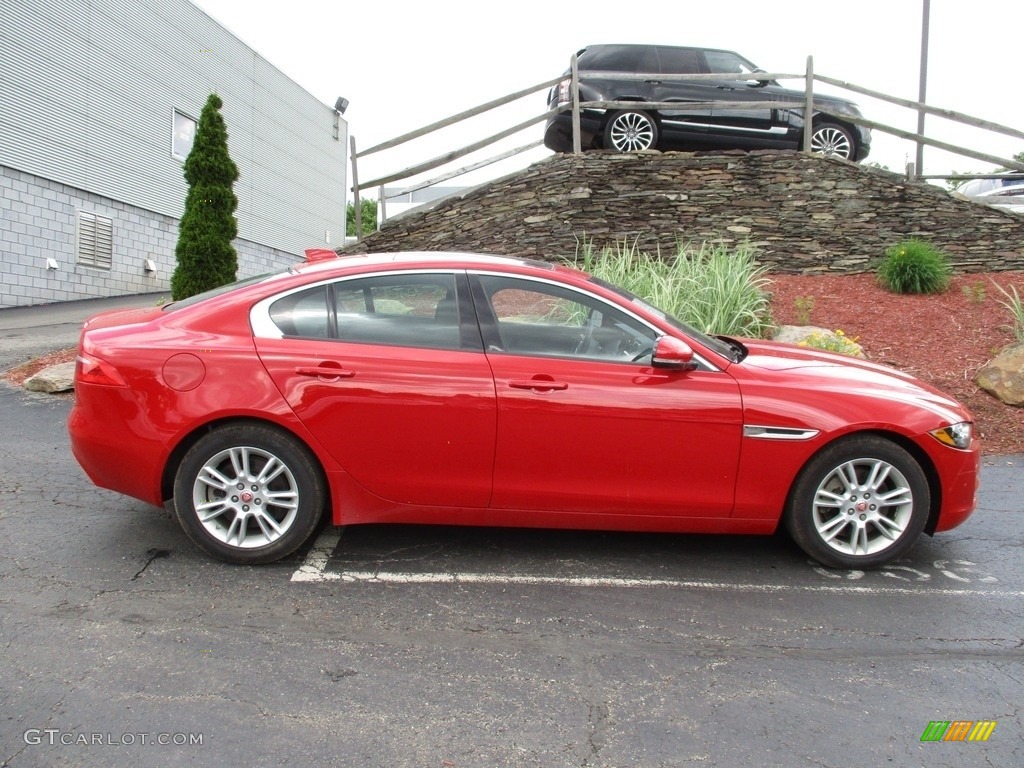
[631, 131]
[832, 140]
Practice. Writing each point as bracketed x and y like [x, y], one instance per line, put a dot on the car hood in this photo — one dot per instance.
[813, 369]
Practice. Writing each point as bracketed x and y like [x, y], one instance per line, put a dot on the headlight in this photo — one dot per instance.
[955, 435]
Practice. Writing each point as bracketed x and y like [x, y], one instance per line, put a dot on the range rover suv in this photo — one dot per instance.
[685, 128]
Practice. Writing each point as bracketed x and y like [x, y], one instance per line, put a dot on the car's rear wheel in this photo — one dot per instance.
[631, 131]
[248, 494]
[833, 140]
[860, 503]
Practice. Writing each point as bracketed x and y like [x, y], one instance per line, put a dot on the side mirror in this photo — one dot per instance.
[673, 354]
[757, 83]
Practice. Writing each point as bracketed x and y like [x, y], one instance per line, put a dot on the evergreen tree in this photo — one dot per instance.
[206, 258]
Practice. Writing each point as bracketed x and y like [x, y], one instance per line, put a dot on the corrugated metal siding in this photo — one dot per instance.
[89, 93]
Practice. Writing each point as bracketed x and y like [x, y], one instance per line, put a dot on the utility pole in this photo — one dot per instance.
[922, 91]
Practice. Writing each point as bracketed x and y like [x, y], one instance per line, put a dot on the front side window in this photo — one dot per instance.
[535, 318]
[728, 62]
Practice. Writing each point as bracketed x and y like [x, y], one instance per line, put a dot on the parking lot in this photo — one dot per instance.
[387, 646]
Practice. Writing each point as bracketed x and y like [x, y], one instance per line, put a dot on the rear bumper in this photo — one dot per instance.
[116, 453]
[558, 132]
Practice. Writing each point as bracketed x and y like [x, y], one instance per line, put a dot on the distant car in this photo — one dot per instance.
[473, 390]
[1005, 193]
[630, 73]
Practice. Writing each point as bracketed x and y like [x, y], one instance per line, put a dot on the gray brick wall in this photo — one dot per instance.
[38, 221]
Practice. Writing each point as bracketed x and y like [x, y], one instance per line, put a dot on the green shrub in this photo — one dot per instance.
[714, 288]
[914, 266]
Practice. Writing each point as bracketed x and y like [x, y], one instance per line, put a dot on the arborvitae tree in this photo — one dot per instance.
[206, 258]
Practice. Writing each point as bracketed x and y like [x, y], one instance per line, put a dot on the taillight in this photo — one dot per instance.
[92, 370]
[564, 94]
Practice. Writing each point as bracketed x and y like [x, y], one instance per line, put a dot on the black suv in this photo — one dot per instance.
[640, 128]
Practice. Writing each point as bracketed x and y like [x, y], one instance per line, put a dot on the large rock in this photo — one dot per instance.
[818, 338]
[56, 378]
[1004, 375]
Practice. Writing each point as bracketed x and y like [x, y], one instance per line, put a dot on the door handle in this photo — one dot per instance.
[324, 372]
[538, 385]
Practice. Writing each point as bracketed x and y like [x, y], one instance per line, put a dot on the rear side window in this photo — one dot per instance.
[679, 61]
[400, 310]
[304, 314]
[613, 58]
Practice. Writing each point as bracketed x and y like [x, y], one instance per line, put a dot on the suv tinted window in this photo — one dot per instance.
[679, 61]
[613, 58]
[727, 61]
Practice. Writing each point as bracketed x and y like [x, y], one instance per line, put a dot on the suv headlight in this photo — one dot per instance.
[955, 435]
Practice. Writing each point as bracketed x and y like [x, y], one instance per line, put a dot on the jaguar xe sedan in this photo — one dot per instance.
[475, 390]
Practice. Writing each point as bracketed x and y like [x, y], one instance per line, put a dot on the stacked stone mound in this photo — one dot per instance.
[803, 213]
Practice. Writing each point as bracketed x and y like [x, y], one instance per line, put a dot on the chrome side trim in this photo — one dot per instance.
[775, 130]
[778, 433]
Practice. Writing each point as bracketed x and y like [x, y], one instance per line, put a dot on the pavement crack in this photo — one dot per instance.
[151, 555]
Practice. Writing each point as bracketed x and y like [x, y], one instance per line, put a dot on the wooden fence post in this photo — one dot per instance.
[808, 102]
[357, 212]
[574, 88]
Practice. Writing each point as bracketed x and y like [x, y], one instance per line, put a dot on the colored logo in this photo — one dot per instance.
[958, 730]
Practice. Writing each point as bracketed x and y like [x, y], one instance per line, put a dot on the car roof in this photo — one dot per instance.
[407, 259]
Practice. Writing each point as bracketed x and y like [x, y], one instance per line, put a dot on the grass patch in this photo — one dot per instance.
[714, 288]
[914, 266]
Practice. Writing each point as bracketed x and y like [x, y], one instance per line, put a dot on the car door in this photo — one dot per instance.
[388, 374]
[685, 124]
[743, 126]
[585, 424]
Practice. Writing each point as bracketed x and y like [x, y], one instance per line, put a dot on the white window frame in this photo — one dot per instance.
[178, 146]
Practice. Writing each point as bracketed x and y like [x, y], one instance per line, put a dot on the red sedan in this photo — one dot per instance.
[460, 389]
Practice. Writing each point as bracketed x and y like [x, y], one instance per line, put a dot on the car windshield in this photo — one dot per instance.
[220, 291]
[716, 345]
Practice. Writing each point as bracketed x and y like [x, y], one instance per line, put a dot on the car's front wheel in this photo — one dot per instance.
[631, 131]
[248, 494]
[832, 140]
[858, 504]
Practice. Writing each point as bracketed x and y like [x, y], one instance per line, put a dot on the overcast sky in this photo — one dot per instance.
[440, 57]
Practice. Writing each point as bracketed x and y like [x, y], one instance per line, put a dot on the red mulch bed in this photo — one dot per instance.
[943, 339]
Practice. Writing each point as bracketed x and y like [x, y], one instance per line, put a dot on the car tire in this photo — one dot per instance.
[860, 503]
[631, 131]
[249, 494]
[833, 140]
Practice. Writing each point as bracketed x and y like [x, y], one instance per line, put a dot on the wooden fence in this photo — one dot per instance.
[807, 104]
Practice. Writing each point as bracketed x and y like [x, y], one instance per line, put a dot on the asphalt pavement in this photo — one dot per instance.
[29, 332]
[431, 646]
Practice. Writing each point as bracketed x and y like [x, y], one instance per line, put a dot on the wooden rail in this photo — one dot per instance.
[575, 107]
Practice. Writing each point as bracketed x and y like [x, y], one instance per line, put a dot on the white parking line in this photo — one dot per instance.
[314, 569]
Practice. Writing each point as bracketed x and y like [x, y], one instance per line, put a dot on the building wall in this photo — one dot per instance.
[89, 92]
[38, 222]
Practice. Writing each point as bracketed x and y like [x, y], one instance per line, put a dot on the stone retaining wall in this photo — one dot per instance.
[804, 214]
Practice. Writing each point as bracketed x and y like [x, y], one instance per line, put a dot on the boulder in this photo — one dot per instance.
[1003, 376]
[56, 378]
[819, 338]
